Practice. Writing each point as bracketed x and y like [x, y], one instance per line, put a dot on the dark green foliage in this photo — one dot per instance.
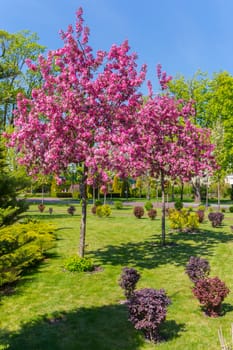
[231, 209]
[148, 205]
[178, 205]
[147, 310]
[78, 264]
[11, 183]
[23, 245]
[98, 202]
[63, 194]
[128, 281]
[125, 188]
[197, 268]
[216, 218]
[138, 211]
[211, 292]
[152, 213]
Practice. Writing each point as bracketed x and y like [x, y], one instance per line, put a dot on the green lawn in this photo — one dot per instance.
[52, 309]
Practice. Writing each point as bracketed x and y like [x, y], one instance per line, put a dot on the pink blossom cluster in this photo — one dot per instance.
[89, 110]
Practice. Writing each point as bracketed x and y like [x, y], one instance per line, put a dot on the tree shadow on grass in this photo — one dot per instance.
[96, 328]
[150, 254]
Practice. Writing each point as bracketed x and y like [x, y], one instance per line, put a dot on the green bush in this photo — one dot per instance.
[78, 264]
[183, 220]
[23, 245]
[98, 202]
[118, 205]
[103, 210]
[148, 205]
[201, 207]
[178, 205]
[231, 209]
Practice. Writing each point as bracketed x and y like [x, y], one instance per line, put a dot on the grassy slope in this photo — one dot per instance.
[53, 310]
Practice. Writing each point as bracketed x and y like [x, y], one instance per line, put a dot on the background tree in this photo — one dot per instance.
[170, 145]
[14, 77]
[82, 113]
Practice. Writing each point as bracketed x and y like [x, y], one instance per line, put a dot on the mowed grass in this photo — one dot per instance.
[52, 309]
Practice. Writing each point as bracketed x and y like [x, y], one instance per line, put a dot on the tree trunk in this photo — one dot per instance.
[93, 195]
[197, 189]
[83, 192]
[218, 194]
[163, 241]
[207, 194]
[182, 192]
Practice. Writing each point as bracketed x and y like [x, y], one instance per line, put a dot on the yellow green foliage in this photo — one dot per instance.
[183, 220]
[22, 245]
[103, 210]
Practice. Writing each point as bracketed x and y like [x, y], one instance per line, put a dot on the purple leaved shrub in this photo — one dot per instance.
[211, 292]
[216, 218]
[197, 268]
[138, 211]
[128, 281]
[147, 310]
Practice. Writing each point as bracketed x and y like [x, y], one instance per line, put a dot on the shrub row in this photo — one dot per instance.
[147, 308]
[209, 291]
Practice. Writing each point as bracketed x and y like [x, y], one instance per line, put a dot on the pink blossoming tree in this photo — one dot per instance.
[83, 112]
[169, 144]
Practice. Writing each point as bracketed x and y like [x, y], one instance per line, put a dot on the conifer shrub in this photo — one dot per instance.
[201, 207]
[78, 264]
[152, 213]
[23, 245]
[216, 218]
[197, 268]
[211, 292]
[183, 220]
[103, 210]
[138, 211]
[128, 280]
[147, 311]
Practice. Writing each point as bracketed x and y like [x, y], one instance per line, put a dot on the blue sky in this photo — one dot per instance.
[182, 35]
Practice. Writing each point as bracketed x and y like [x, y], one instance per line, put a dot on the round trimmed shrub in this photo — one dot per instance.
[128, 281]
[211, 292]
[138, 211]
[147, 310]
[148, 205]
[152, 213]
[118, 205]
[78, 264]
[231, 209]
[216, 218]
[197, 268]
